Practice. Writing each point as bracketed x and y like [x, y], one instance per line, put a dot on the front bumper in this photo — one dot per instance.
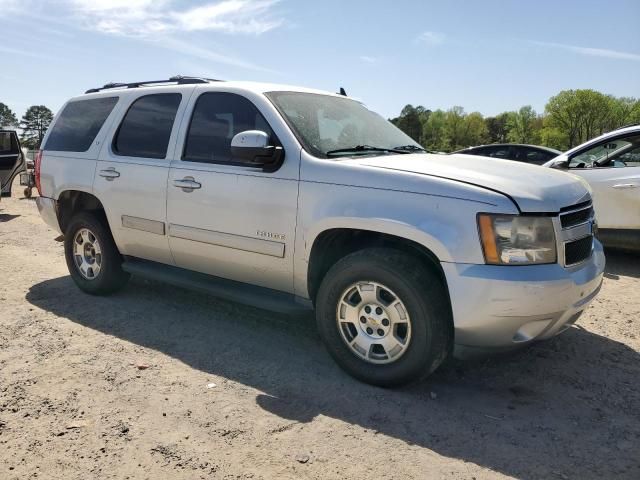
[502, 307]
[48, 212]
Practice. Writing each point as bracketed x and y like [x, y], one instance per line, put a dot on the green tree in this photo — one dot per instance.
[563, 115]
[475, 130]
[454, 128]
[7, 117]
[497, 129]
[624, 111]
[433, 131]
[521, 125]
[34, 125]
[411, 119]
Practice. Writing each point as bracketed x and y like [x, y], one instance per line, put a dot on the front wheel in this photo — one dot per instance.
[384, 317]
[94, 262]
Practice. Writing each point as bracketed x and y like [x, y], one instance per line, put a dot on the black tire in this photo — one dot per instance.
[111, 277]
[422, 292]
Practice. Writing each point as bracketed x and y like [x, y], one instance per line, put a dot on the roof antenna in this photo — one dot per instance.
[342, 92]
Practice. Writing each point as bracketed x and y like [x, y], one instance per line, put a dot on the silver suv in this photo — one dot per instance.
[288, 198]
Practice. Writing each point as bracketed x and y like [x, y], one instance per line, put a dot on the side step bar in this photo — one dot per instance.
[239, 292]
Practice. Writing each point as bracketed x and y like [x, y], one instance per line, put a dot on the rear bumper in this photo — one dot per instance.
[502, 307]
[48, 212]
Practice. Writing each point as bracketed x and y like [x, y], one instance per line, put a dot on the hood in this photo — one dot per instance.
[531, 187]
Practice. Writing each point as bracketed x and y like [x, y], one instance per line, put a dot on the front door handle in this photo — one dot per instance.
[110, 173]
[187, 184]
[626, 185]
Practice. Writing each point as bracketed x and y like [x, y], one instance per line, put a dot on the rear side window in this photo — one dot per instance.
[79, 123]
[146, 128]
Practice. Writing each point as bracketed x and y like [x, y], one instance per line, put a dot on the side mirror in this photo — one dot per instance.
[252, 146]
[562, 164]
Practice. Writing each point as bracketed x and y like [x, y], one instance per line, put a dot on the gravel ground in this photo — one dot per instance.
[158, 382]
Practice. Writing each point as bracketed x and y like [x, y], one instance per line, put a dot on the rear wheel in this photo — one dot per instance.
[384, 317]
[92, 256]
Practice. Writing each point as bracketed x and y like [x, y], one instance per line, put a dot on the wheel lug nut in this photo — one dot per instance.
[367, 309]
[369, 330]
[380, 332]
[363, 319]
[379, 311]
[385, 322]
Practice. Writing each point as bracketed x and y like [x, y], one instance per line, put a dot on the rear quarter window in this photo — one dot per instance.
[79, 123]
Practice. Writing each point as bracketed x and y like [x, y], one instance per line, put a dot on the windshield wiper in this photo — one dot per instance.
[365, 148]
[411, 148]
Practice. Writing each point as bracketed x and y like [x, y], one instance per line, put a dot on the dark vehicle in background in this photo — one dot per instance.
[534, 154]
[11, 160]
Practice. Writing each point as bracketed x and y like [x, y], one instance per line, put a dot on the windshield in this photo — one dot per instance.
[330, 126]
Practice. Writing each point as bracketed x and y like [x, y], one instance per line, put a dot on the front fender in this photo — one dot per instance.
[444, 225]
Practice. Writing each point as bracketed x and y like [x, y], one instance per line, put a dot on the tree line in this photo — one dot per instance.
[33, 124]
[570, 118]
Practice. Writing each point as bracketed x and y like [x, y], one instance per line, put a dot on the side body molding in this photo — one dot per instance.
[221, 239]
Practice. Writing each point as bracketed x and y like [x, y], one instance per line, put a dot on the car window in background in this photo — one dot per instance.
[78, 124]
[483, 151]
[608, 154]
[630, 158]
[499, 152]
[7, 143]
[216, 119]
[538, 157]
[146, 127]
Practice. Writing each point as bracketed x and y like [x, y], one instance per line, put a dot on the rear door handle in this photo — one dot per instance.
[626, 185]
[187, 184]
[110, 173]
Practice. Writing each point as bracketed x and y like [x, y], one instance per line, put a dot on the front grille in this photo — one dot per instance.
[577, 217]
[578, 250]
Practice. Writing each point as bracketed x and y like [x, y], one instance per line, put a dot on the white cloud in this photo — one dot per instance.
[166, 24]
[592, 52]
[368, 59]
[209, 53]
[232, 16]
[143, 18]
[431, 38]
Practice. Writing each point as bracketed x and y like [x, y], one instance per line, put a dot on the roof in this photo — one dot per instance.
[256, 87]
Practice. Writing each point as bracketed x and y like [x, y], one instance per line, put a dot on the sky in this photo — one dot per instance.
[488, 56]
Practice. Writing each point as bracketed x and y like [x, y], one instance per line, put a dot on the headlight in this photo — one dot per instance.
[517, 240]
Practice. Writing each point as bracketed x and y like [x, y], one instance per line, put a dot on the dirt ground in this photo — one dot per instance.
[235, 392]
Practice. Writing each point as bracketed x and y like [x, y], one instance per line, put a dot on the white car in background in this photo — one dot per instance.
[611, 165]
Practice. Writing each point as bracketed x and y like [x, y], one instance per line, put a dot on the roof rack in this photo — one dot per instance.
[177, 79]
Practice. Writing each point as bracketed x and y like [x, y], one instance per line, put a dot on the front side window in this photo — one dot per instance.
[146, 127]
[619, 152]
[327, 125]
[216, 119]
[79, 123]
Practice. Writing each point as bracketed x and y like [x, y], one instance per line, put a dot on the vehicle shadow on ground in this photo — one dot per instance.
[621, 263]
[6, 217]
[565, 408]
